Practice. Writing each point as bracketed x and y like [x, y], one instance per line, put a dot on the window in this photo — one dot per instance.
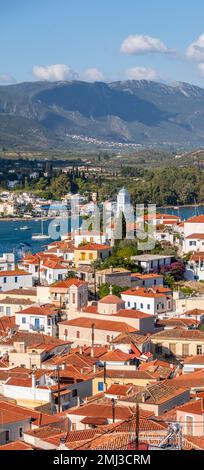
[16, 279]
[158, 348]
[172, 348]
[73, 426]
[49, 321]
[20, 432]
[189, 425]
[7, 436]
[148, 306]
[23, 319]
[185, 350]
[8, 310]
[5, 280]
[155, 281]
[74, 392]
[141, 305]
[73, 298]
[108, 338]
[135, 305]
[100, 386]
[199, 349]
[90, 255]
[128, 304]
[59, 277]
[66, 333]
[1, 309]
[78, 334]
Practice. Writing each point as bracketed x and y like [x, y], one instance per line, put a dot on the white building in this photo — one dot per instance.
[153, 301]
[193, 242]
[15, 279]
[7, 262]
[195, 267]
[123, 202]
[194, 225]
[38, 318]
[151, 263]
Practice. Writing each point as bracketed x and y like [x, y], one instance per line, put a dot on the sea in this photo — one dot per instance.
[14, 239]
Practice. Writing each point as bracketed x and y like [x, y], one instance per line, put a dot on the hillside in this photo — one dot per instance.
[40, 115]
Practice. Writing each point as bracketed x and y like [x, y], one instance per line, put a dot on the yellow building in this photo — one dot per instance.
[122, 377]
[90, 252]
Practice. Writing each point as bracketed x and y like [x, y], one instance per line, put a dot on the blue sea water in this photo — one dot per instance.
[12, 237]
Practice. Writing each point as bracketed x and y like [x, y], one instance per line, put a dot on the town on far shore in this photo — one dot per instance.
[101, 333]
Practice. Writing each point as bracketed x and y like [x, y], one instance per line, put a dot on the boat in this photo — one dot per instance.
[40, 236]
[25, 227]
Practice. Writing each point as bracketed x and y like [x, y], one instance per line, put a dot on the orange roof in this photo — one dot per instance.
[108, 325]
[37, 311]
[69, 282]
[117, 389]
[146, 276]
[156, 292]
[196, 219]
[16, 445]
[116, 356]
[102, 410]
[111, 299]
[54, 264]
[93, 247]
[196, 236]
[15, 272]
[132, 314]
[198, 256]
[193, 407]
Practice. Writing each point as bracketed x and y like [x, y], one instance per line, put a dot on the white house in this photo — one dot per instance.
[193, 242]
[151, 263]
[153, 301]
[70, 293]
[146, 280]
[15, 279]
[194, 225]
[195, 267]
[52, 271]
[87, 236]
[38, 318]
[7, 262]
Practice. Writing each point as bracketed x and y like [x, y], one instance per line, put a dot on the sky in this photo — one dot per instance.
[103, 40]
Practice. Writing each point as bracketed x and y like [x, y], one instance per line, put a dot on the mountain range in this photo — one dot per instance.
[43, 115]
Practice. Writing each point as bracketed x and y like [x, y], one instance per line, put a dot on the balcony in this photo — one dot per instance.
[37, 328]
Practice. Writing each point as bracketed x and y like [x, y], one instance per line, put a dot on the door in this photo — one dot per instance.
[37, 323]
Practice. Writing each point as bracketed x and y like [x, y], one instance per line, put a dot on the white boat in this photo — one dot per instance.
[24, 227]
[40, 236]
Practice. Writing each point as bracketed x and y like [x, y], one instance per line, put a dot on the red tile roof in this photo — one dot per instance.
[196, 219]
[93, 247]
[69, 282]
[38, 311]
[16, 445]
[156, 292]
[98, 324]
[111, 299]
[196, 236]
[15, 272]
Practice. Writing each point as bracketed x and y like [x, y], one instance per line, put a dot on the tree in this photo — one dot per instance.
[60, 186]
[104, 290]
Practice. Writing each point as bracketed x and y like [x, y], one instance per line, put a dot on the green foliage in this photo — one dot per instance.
[169, 280]
[104, 290]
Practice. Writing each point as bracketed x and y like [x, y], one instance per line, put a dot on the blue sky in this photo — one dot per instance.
[102, 40]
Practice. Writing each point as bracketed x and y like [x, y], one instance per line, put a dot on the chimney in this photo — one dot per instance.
[78, 401]
[80, 350]
[92, 352]
[33, 380]
[62, 445]
[94, 368]
[64, 365]
[202, 405]
[143, 397]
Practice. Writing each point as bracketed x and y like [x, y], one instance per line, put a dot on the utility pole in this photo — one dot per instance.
[104, 375]
[137, 425]
[58, 387]
[92, 335]
[113, 409]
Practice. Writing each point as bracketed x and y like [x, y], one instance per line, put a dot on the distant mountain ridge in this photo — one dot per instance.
[39, 115]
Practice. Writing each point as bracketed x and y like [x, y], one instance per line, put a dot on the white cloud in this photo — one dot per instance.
[140, 44]
[54, 72]
[93, 75]
[6, 78]
[196, 49]
[141, 73]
